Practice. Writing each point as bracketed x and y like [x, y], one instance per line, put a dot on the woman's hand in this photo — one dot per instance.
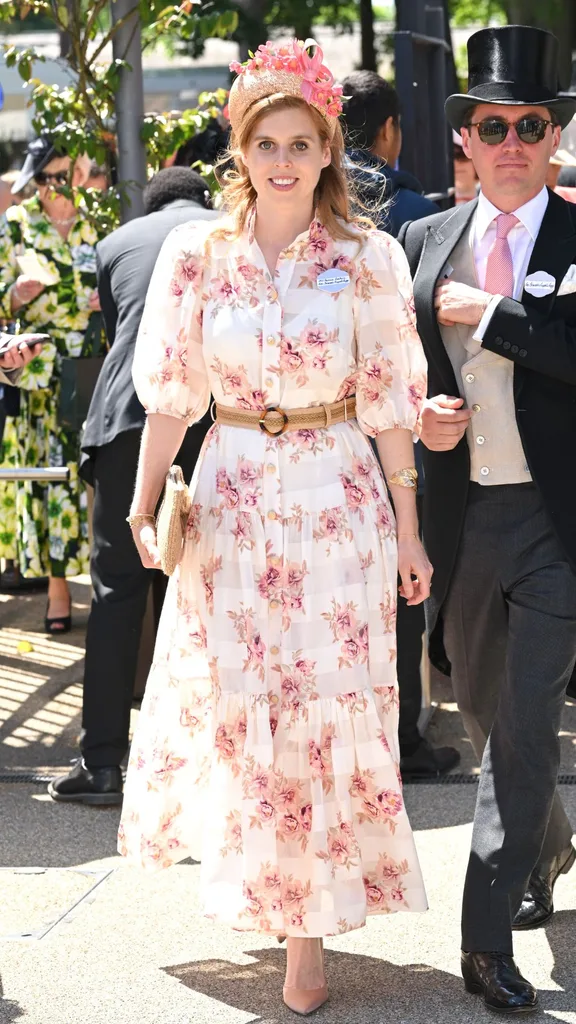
[94, 302]
[25, 289]
[145, 540]
[413, 562]
[18, 351]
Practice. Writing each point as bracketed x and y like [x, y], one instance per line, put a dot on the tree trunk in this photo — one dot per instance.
[368, 37]
[251, 28]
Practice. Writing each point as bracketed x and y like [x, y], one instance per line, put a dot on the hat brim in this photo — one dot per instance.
[30, 168]
[459, 105]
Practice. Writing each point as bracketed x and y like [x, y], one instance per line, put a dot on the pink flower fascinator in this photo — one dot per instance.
[289, 69]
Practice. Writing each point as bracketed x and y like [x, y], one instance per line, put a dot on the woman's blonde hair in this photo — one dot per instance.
[332, 198]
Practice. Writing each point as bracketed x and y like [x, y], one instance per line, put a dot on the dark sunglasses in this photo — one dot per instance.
[58, 178]
[493, 130]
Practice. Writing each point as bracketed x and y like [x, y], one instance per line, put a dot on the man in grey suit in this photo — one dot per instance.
[110, 443]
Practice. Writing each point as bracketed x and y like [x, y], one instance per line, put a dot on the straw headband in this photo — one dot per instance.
[285, 69]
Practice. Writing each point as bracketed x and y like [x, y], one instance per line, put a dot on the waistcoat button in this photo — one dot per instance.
[470, 378]
[484, 471]
[480, 439]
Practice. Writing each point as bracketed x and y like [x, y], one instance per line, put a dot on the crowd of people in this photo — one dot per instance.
[284, 350]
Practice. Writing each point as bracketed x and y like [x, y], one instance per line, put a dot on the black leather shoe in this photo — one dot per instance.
[496, 977]
[428, 762]
[537, 906]
[97, 786]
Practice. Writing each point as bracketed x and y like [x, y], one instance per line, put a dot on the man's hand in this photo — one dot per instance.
[443, 422]
[18, 352]
[457, 303]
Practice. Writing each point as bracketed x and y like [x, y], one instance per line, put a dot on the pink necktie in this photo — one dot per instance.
[500, 268]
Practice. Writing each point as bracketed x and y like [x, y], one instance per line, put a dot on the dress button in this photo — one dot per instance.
[269, 382]
[506, 345]
[272, 514]
[274, 650]
[271, 468]
[498, 341]
[476, 408]
[470, 378]
[514, 349]
[271, 339]
[484, 471]
[523, 353]
[274, 603]
[480, 439]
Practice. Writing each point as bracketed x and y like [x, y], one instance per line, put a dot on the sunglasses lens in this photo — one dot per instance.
[60, 178]
[492, 131]
[531, 129]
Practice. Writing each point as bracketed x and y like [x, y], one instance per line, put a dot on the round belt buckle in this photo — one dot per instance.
[266, 429]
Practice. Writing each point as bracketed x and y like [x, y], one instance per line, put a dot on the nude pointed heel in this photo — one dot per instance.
[305, 1000]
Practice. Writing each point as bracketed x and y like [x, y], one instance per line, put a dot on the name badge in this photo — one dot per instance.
[540, 284]
[333, 280]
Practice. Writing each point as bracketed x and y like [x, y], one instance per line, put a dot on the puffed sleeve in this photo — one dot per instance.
[391, 366]
[169, 372]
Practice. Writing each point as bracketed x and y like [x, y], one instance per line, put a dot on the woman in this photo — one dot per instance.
[44, 526]
[272, 700]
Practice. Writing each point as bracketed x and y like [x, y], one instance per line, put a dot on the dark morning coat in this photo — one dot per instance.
[539, 336]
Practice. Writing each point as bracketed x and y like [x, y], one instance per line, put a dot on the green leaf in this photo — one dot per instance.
[25, 70]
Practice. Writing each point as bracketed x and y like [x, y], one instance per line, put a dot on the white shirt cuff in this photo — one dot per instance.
[486, 317]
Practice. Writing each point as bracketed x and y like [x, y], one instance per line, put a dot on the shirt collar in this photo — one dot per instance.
[530, 214]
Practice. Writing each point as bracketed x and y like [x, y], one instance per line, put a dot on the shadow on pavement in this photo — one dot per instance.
[9, 1009]
[363, 989]
[560, 933]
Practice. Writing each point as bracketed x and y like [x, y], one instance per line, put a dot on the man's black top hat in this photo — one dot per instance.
[514, 65]
[39, 152]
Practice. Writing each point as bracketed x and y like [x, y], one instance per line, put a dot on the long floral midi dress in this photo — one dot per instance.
[267, 740]
[44, 527]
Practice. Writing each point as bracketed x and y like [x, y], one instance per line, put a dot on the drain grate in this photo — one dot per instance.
[470, 779]
[455, 779]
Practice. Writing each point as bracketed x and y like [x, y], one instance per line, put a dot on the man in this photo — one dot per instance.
[495, 295]
[371, 121]
[372, 126]
[125, 261]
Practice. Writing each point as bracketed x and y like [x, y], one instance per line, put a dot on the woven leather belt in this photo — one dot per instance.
[277, 421]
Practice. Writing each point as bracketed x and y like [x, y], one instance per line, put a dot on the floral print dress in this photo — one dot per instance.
[44, 527]
[267, 740]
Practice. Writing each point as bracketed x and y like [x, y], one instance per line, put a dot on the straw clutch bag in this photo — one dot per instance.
[171, 521]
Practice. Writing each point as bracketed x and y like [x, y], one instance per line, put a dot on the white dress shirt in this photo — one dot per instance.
[521, 240]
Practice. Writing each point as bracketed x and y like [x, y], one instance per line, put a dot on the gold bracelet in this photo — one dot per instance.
[405, 478]
[140, 517]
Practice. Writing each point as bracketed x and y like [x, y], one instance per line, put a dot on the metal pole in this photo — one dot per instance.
[127, 45]
[42, 475]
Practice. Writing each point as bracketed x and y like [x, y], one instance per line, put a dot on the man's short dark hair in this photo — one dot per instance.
[371, 102]
[173, 183]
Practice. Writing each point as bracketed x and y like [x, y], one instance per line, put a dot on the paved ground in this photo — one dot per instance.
[86, 940]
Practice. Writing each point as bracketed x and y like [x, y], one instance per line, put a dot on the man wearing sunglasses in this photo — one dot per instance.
[495, 295]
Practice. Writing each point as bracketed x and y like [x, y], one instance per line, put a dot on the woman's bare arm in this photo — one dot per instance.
[161, 440]
[396, 451]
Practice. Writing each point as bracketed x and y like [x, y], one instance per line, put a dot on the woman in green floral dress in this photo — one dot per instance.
[44, 527]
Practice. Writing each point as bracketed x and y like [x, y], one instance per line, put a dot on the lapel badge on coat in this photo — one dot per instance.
[540, 284]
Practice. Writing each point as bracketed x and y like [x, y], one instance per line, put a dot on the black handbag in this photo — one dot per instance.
[79, 375]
